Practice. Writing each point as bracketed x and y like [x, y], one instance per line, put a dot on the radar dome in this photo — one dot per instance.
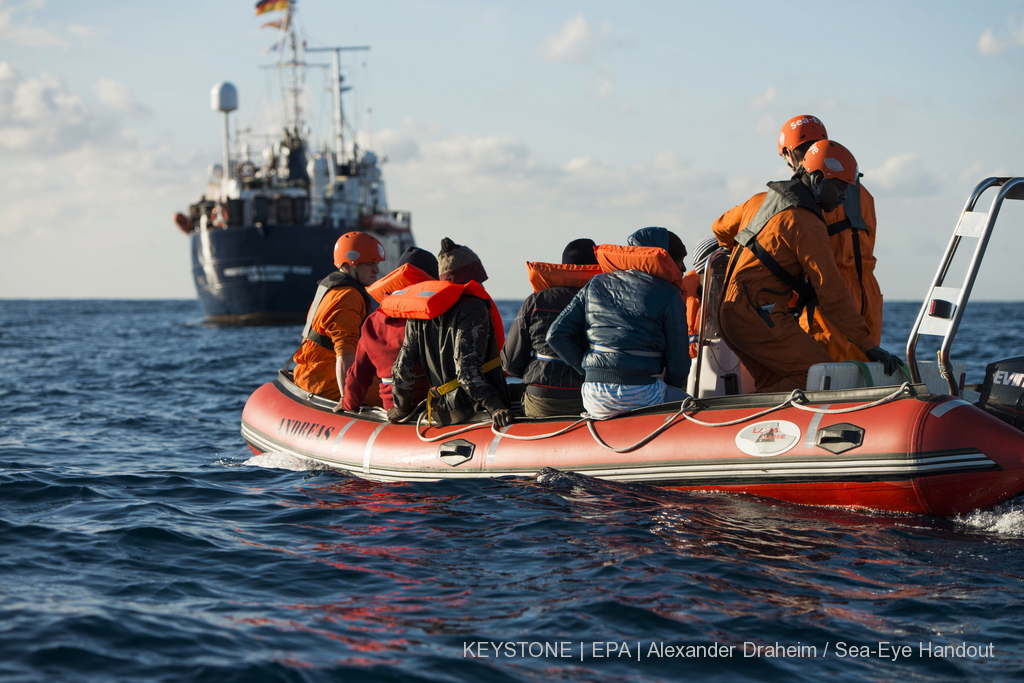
[224, 97]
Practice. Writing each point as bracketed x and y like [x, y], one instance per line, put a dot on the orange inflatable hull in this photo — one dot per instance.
[918, 453]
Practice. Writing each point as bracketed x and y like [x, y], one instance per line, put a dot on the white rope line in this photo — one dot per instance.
[739, 420]
[903, 388]
[537, 437]
[642, 442]
[447, 435]
[795, 399]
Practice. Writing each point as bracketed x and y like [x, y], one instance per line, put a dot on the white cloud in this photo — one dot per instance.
[989, 45]
[513, 205]
[764, 100]
[82, 31]
[575, 42]
[903, 174]
[992, 42]
[42, 114]
[604, 87]
[120, 97]
[18, 29]
[397, 146]
[74, 162]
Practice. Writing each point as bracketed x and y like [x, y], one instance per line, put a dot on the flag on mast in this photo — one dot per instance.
[271, 5]
[279, 23]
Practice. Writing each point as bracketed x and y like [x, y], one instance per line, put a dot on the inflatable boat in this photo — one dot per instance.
[854, 438]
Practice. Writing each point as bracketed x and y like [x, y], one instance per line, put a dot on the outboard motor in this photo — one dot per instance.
[1002, 394]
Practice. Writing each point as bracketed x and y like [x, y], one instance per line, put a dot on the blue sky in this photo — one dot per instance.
[512, 127]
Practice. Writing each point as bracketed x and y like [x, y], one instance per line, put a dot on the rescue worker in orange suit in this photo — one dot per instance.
[336, 315]
[783, 248]
[851, 230]
[457, 347]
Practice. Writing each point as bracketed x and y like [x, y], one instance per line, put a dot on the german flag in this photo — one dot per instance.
[271, 5]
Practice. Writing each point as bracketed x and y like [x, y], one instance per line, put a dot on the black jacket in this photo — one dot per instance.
[454, 345]
[526, 353]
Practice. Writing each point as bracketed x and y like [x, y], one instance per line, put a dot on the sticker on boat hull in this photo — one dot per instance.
[771, 437]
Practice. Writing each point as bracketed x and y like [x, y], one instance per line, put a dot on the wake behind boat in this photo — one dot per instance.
[853, 438]
[262, 234]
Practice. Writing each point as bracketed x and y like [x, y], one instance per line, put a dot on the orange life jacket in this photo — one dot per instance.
[547, 275]
[652, 260]
[428, 299]
[401, 277]
[691, 282]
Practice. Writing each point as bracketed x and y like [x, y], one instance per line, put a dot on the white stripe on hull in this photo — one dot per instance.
[687, 472]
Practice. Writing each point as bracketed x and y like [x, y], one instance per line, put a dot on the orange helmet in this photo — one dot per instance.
[832, 159]
[800, 129]
[357, 247]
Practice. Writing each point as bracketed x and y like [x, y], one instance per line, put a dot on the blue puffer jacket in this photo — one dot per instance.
[635, 324]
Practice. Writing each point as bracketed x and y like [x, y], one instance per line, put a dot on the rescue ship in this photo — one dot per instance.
[922, 443]
[262, 234]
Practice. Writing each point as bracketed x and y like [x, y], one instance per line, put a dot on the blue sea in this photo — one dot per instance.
[142, 541]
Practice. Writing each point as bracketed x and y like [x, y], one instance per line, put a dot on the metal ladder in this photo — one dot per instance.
[943, 308]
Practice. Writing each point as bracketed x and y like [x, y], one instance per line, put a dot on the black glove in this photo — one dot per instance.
[501, 418]
[396, 415]
[889, 362]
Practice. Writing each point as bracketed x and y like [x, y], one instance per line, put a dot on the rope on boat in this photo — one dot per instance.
[796, 399]
[902, 389]
[687, 403]
[642, 442]
[746, 418]
[447, 435]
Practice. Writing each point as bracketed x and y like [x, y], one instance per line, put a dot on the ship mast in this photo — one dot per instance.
[338, 87]
[295, 88]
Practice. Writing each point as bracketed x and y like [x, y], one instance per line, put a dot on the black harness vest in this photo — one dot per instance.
[854, 221]
[782, 195]
[335, 280]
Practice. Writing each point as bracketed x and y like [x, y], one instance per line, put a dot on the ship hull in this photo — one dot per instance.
[264, 275]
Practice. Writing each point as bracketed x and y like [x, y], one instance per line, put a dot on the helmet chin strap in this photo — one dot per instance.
[814, 181]
[817, 184]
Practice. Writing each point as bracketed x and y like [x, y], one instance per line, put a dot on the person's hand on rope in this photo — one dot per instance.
[502, 418]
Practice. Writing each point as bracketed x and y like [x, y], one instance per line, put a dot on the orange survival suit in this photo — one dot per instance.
[851, 230]
[694, 296]
[783, 241]
[332, 329]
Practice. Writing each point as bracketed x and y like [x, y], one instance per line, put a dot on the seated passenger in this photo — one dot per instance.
[551, 386]
[336, 315]
[783, 247]
[381, 337]
[454, 332]
[625, 331]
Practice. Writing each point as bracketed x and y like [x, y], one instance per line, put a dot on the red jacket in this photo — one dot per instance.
[379, 341]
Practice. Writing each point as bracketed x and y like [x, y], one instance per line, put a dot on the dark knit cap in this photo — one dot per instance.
[459, 264]
[422, 259]
[579, 253]
[676, 249]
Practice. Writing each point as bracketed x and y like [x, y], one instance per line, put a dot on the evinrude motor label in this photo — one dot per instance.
[771, 437]
[1007, 378]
